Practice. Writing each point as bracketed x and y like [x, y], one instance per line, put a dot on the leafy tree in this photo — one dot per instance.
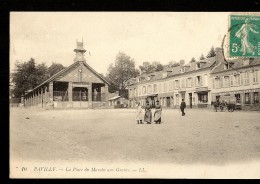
[54, 68]
[121, 72]
[211, 53]
[202, 57]
[175, 64]
[147, 67]
[27, 76]
[159, 67]
[192, 60]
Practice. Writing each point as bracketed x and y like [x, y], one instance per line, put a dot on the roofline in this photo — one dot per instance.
[179, 74]
[66, 69]
[232, 69]
[96, 73]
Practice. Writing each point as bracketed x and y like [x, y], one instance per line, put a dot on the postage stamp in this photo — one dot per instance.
[244, 38]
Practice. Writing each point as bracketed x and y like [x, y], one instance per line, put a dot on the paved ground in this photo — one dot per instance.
[203, 136]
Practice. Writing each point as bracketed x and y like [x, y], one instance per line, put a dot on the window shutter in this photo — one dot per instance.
[213, 83]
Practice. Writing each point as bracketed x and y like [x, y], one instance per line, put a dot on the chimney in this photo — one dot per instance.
[219, 55]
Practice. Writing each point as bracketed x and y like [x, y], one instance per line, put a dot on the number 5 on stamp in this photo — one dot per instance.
[244, 36]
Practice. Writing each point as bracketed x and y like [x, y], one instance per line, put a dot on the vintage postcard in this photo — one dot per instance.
[134, 95]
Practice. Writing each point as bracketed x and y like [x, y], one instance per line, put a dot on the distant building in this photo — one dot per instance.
[194, 83]
[77, 86]
[116, 101]
[238, 79]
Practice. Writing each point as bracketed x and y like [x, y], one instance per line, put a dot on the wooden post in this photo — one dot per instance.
[90, 95]
[70, 91]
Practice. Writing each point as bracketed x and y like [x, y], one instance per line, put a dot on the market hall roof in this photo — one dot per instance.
[52, 78]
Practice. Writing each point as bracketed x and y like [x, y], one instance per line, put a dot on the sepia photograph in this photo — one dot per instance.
[134, 95]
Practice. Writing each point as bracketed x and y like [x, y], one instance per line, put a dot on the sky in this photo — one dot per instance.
[144, 36]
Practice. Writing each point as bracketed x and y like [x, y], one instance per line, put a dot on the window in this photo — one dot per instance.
[135, 92]
[203, 97]
[217, 83]
[155, 88]
[226, 66]
[139, 90]
[164, 86]
[246, 78]
[183, 83]
[198, 81]
[231, 80]
[256, 98]
[159, 87]
[237, 80]
[247, 98]
[130, 93]
[237, 98]
[177, 84]
[149, 90]
[170, 85]
[206, 80]
[198, 66]
[226, 81]
[144, 90]
[189, 82]
[213, 83]
[255, 77]
[164, 75]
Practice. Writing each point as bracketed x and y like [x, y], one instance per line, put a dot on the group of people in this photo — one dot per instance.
[157, 113]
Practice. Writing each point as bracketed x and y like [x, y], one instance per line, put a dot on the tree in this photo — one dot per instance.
[147, 67]
[159, 67]
[192, 60]
[54, 68]
[121, 72]
[202, 57]
[175, 64]
[27, 76]
[211, 53]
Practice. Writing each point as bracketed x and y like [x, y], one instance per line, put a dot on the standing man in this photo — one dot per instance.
[182, 107]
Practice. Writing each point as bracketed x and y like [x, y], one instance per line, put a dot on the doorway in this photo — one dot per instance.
[190, 98]
[168, 101]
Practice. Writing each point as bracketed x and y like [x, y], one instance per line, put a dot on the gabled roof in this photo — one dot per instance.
[67, 69]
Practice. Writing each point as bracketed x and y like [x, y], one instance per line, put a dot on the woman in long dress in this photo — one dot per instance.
[148, 113]
[139, 114]
[243, 34]
[158, 113]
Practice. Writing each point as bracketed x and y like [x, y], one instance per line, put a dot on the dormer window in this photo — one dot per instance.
[226, 66]
[198, 66]
[164, 75]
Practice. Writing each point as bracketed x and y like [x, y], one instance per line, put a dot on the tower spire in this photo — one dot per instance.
[79, 51]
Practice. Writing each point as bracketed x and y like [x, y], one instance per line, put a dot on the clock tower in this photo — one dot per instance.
[79, 52]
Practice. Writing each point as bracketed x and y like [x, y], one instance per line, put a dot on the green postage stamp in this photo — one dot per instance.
[244, 36]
